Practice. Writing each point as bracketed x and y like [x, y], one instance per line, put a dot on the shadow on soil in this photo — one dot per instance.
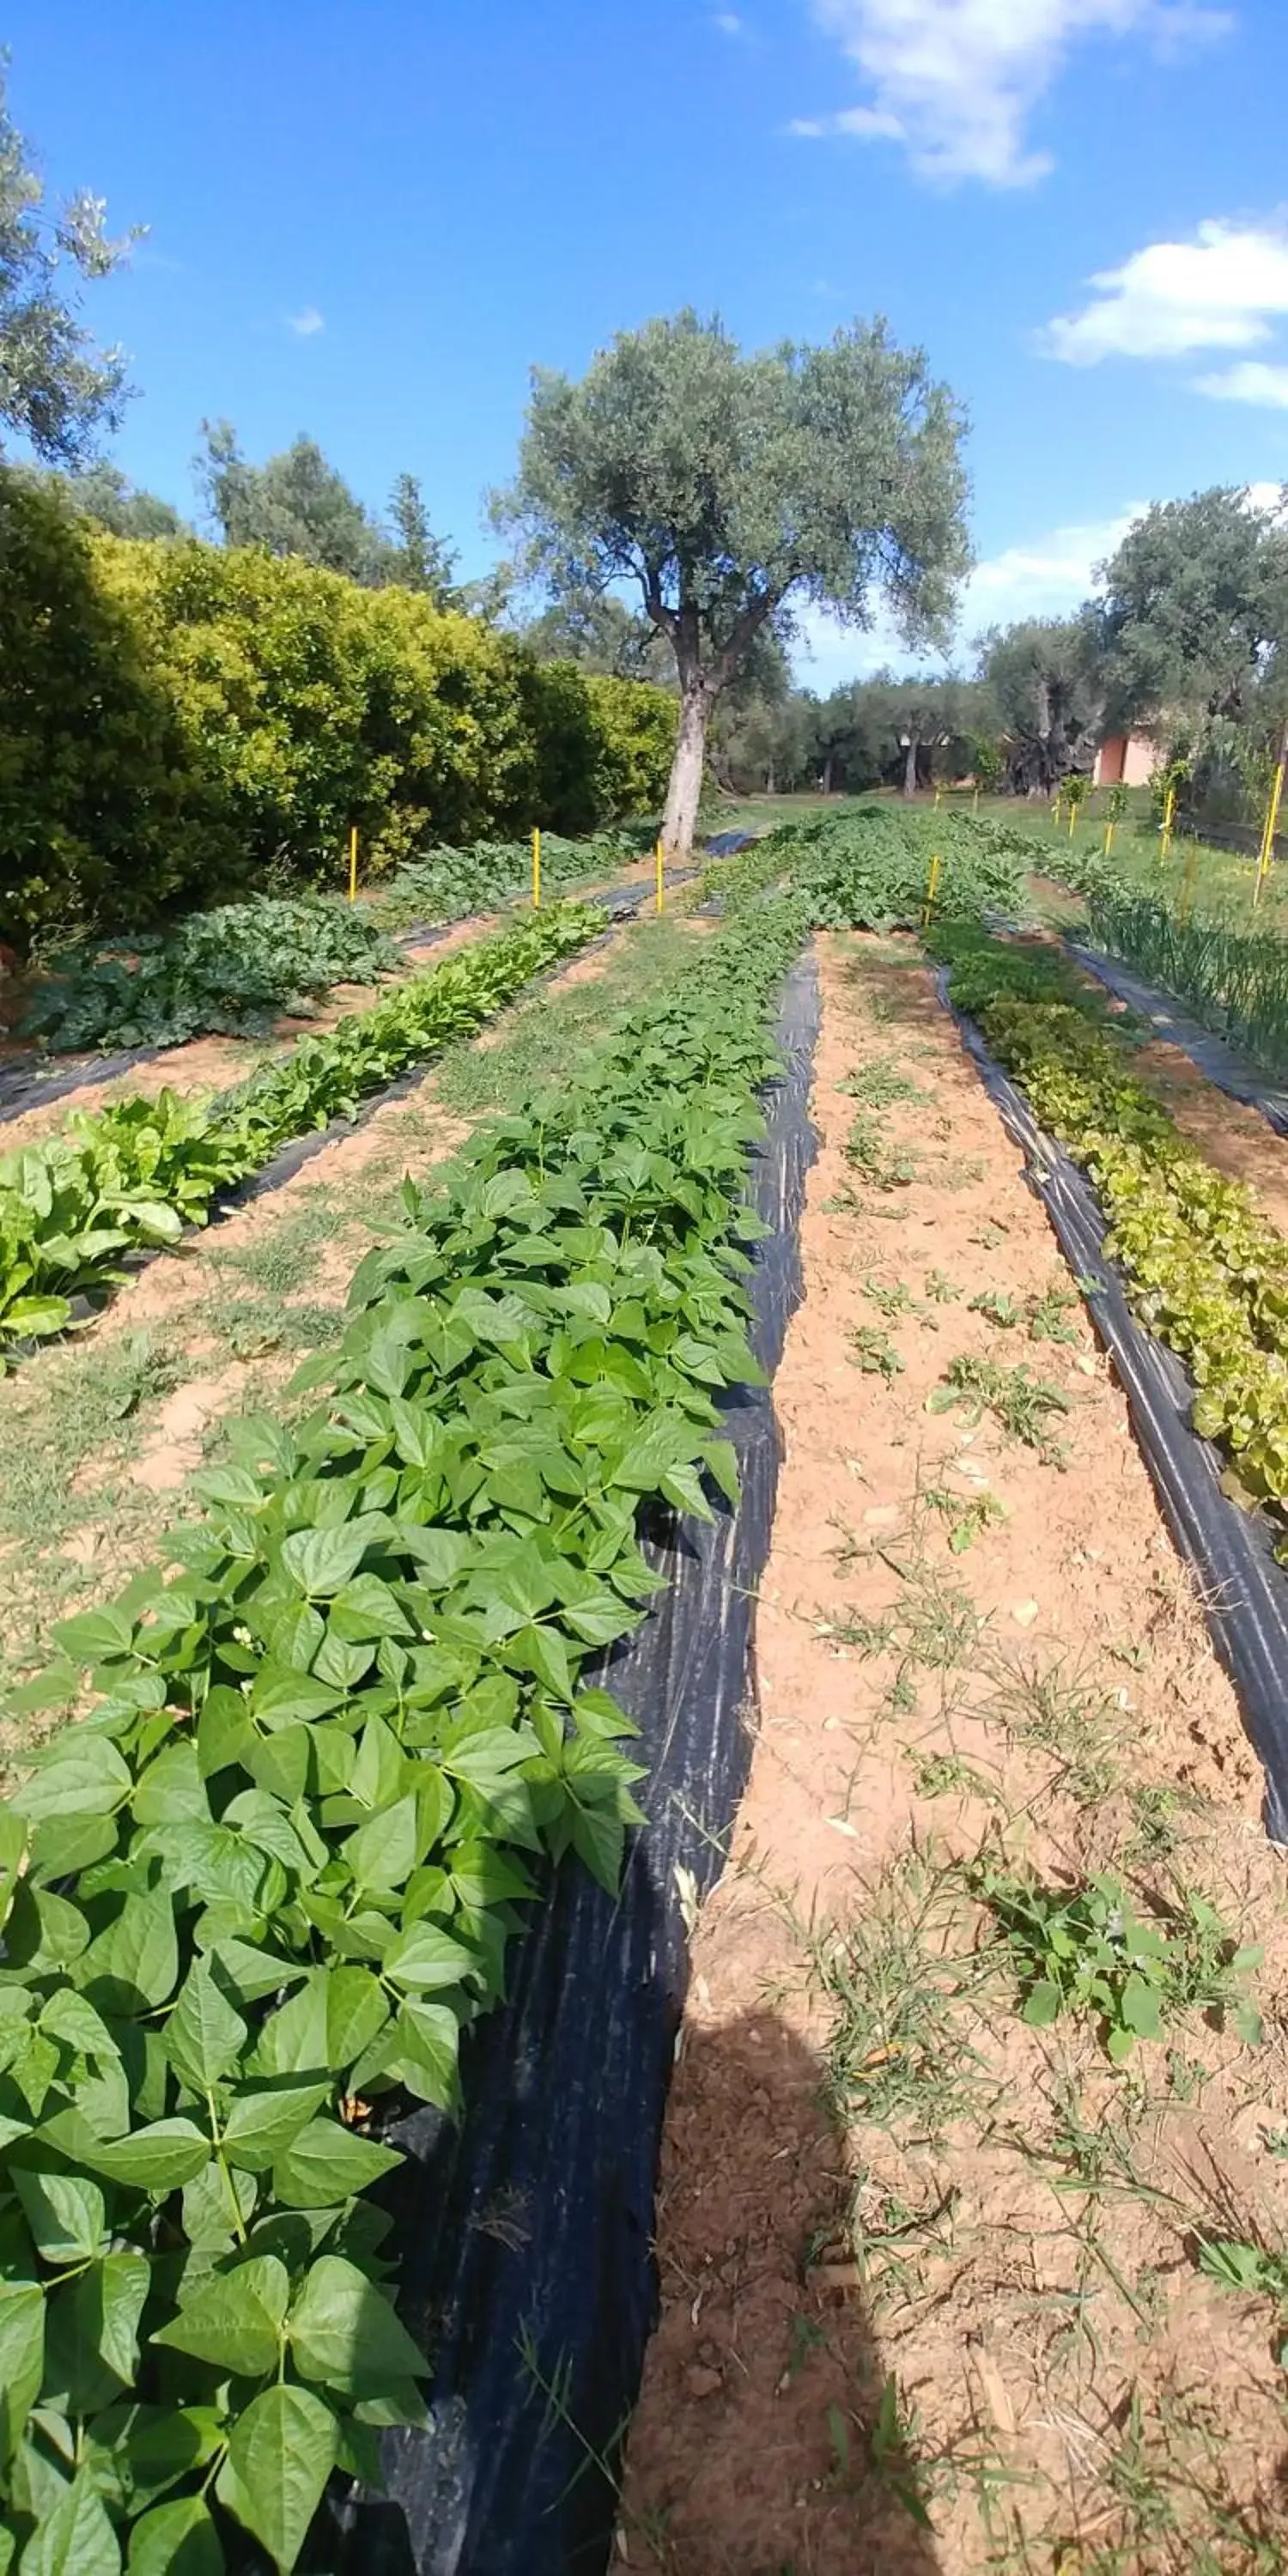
[769, 2440]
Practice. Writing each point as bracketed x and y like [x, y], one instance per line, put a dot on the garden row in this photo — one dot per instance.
[178, 719]
[129, 1177]
[275, 1871]
[1205, 1272]
[235, 970]
[879, 867]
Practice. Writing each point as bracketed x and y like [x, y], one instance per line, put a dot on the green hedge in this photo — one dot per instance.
[182, 722]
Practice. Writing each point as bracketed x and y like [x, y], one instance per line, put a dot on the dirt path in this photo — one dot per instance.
[931, 2299]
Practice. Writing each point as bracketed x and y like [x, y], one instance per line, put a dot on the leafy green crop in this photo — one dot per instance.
[869, 869]
[251, 1900]
[447, 884]
[234, 970]
[1204, 1270]
[132, 1176]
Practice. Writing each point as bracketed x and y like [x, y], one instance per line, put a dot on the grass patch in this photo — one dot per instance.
[900, 1982]
[1023, 1404]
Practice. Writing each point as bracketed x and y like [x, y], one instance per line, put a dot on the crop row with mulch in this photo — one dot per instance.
[961, 2269]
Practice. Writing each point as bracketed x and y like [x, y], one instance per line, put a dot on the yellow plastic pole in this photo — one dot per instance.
[1169, 811]
[1267, 850]
[1109, 836]
[932, 889]
[536, 871]
[974, 802]
[353, 864]
[938, 793]
[1073, 817]
[660, 865]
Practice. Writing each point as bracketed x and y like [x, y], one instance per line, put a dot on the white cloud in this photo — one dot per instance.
[305, 325]
[1214, 292]
[1252, 381]
[956, 81]
[728, 22]
[1047, 577]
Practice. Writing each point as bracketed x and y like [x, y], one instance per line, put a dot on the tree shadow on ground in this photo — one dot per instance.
[766, 2442]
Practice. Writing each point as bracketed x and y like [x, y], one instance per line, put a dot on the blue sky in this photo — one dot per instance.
[368, 222]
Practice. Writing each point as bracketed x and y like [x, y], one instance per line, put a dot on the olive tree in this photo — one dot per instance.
[735, 490]
[57, 389]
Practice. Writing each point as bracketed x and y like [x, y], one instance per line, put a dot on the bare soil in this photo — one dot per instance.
[931, 2296]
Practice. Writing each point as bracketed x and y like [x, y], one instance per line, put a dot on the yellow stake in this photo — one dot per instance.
[974, 802]
[1169, 809]
[1267, 851]
[1109, 838]
[1073, 817]
[536, 871]
[353, 864]
[932, 889]
[938, 793]
[660, 865]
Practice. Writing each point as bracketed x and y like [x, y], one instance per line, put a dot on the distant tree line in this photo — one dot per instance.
[678, 507]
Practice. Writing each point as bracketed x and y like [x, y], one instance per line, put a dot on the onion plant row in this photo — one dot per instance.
[130, 1177]
[331, 1752]
[1233, 978]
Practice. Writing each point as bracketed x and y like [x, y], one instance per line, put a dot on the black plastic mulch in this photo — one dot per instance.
[524, 2234]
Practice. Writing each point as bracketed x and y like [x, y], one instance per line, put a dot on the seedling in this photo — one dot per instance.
[1049, 1316]
[874, 1353]
[865, 1148]
[1088, 1950]
[967, 1515]
[1250, 2270]
[998, 1306]
[879, 1084]
[942, 1775]
[892, 1300]
[940, 1288]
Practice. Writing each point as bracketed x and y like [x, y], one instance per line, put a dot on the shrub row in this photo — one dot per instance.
[130, 1177]
[253, 1899]
[1204, 1270]
[178, 719]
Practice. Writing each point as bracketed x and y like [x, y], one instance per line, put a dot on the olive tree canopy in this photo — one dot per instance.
[734, 490]
[57, 389]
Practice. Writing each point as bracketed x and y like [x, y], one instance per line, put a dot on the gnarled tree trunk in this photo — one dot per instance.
[680, 817]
